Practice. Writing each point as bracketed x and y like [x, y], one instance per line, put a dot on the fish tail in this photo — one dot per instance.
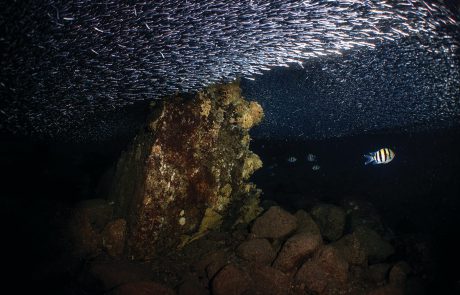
[369, 159]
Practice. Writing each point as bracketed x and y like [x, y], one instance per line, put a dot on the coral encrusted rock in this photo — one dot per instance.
[187, 172]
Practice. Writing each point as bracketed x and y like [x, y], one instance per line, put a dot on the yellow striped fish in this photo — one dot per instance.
[382, 156]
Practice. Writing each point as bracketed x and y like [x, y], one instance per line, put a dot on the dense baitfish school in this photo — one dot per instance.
[65, 63]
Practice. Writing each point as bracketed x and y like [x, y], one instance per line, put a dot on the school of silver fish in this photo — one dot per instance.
[67, 61]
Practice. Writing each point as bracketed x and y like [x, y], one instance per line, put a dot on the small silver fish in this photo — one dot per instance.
[382, 156]
[311, 158]
[292, 159]
[315, 167]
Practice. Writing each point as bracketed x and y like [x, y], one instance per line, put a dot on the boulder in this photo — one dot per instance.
[275, 223]
[210, 264]
[330, 219]
[230, 281]
[257, 250]
[351, 250]
[113, 237]
[325, 272]
[295, 251]
[269, 281]
[377, 249]
[305, 223]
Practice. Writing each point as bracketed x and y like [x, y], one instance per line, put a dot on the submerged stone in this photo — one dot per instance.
[330, 219]
[306, 224]
[325, 273]
[296, 250]
[230, 281]
[113, 237]
[275, 223]
[376, 248]
[257, 250]
[186, 173]
[351, 250]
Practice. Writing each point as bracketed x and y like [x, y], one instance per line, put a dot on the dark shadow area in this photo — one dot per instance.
[40, 184]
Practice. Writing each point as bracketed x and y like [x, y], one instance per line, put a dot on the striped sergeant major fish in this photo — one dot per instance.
[382, 156]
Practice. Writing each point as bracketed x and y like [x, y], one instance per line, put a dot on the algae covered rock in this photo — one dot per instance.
[186, 173]
[330, 219]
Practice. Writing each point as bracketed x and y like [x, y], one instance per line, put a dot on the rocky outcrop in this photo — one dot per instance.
[187, 172]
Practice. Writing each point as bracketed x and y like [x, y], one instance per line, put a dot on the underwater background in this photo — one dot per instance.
[63, 130]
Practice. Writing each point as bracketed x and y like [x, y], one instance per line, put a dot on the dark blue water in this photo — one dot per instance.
[416, 195]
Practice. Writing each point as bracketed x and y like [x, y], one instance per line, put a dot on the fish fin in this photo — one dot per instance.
[369, 159]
